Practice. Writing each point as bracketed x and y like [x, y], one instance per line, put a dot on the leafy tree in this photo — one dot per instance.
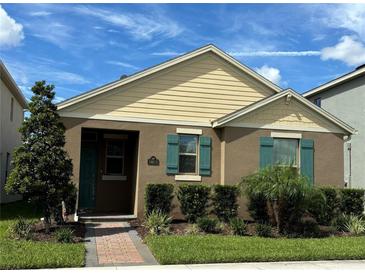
[288, 194]
[41, 167]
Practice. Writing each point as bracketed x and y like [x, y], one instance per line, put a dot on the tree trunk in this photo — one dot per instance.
[47, 221]
[276, 210]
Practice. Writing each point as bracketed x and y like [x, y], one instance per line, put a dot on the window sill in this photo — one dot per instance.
[189, 178]
[113, 178]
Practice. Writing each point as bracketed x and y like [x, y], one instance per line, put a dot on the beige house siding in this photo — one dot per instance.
[286, 115]
[9, 134]
[152, 141]
[199, 90]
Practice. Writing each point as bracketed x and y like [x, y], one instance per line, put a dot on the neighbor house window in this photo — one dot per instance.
[114, 158]
[285, 152]
[11, 109]
[317, 102]
[188, 154]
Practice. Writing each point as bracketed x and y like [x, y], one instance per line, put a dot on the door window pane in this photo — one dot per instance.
[114, 158]
[114, 166]
[285, 152]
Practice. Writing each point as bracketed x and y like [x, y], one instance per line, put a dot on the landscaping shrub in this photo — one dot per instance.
[257, 206]
[157, 223]
[238, 226]
[64, 235]
[224, 201]
[21, 229]
[340, 222]
[352, 201]
[331, 206]
[308, 227]
[207, 224]
[355, 225]
[192, 229]
[193, 201]
[263, 230]
[158, 197]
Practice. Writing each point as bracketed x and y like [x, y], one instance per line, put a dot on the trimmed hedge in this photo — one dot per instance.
[352, 201]
[257, 207]
[158, 197]
[194, 201]
[225, 202]
[331, 209]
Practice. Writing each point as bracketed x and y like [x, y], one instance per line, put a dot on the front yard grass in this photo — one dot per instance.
[196, 249]
[21, 254]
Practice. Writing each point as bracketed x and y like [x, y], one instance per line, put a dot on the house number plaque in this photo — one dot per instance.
[153, 161]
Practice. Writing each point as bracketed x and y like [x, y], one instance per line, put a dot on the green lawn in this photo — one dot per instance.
[15, 254]
[225, 249]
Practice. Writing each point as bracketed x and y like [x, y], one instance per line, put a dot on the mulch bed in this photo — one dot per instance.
[39, 233]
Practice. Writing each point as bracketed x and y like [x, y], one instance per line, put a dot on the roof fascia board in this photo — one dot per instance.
[335, 82]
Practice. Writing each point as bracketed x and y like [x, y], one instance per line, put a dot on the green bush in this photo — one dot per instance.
[308, 227]
[352, 201]
[257, 207]
[158, 197]
[207, 224]
[263, 230]
[64, 235]
[194, 201]
[157, 223]
[340, 222]
[224, 201]
[355, 225]
[21, 229]
[238, 226]
[331, 207]
[192, 229]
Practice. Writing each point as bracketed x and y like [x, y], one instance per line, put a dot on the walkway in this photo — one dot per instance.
[115, 244]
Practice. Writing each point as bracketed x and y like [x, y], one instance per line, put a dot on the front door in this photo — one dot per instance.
[88, 172]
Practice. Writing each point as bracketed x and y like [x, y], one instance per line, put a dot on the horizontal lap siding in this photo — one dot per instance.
[198, 90]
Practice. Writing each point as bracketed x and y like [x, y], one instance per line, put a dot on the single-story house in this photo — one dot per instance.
[202, 117]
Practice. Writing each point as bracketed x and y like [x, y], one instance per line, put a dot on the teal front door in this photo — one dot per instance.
[88, 172]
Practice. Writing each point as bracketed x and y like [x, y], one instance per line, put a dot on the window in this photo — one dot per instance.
[317, 101]
[188, 155]
[114, 158]
[11, 109]
[285, 152]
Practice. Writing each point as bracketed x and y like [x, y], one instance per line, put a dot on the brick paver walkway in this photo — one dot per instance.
[115, 243]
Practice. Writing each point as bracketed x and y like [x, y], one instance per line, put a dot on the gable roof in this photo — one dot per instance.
[221, 122]
[167, 64]
[360, 71]
[10, 83]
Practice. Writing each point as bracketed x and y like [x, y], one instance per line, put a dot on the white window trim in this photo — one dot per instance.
[289, 135]
[194, 131]
[188, 178]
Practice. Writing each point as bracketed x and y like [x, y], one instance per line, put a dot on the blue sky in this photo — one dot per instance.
[78, 47]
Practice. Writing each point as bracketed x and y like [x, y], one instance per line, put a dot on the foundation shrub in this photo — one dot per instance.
[352, 201]
[238, 226]
[194, 201]
[158, 197]
[257, 207]
[208, 224]
[224, 201]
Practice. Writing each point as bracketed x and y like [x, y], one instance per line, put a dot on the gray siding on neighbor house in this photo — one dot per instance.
[347, 102]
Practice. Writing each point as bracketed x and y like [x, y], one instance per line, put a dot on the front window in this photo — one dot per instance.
[114, 158]
[285, 152]
[188, 154]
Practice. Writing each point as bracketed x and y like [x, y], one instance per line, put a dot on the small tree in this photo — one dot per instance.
[41, 167]
[288, 194]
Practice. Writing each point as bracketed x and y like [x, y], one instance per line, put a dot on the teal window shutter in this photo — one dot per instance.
[172, 159]
[205, 144]
[266, 151]
[307, 159]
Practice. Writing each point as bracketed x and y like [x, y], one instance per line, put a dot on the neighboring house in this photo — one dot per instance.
[202, 117]
[12, 105]
[345, 98]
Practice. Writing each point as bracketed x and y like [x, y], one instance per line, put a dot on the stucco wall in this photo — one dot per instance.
[347, 102]
[9, 135]
[152, 141]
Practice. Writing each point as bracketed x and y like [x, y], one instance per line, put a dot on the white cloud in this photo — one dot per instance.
[271, 73]
[121, 64]
[167, 53]
[349, 50]
[350, 17]
[276, 53]
[11, 32]
[40, 13]
[140, 26]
